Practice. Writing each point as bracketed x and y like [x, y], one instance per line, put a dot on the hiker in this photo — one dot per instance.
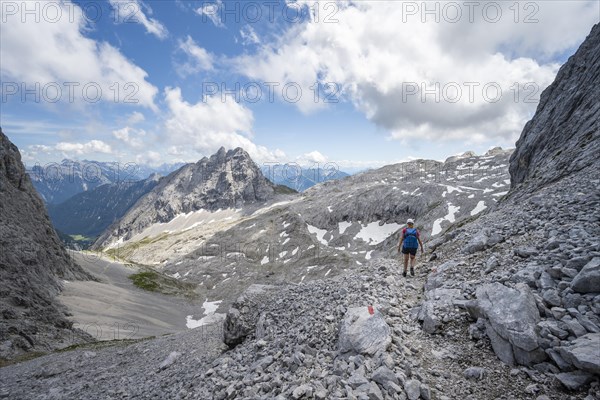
[409, 244]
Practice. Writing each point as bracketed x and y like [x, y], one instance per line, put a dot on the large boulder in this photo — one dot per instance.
[583, 353]
[363, 333]
[511, 317]
[242, 318]
[437, 307]
[588, 279]
[482, 240]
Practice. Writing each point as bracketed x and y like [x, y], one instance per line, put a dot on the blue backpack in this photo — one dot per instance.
[410, 239]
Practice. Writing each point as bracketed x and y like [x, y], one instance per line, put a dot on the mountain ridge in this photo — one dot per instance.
[34, 265]
[226, 179]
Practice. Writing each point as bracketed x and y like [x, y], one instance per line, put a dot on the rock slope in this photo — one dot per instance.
[530, 270]
[33, 264]
[331, 228]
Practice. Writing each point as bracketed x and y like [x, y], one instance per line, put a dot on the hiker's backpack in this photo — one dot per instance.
[410, 239]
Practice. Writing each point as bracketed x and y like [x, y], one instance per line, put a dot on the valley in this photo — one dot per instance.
[114, 308]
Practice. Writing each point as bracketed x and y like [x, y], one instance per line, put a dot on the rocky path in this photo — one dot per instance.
[292, 350]
[451, 363]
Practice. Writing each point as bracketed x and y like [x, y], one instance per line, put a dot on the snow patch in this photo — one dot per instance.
[342, 226]
[319, 232]
[210, 316]
[374, 233]
[479, 208]
[437, 225]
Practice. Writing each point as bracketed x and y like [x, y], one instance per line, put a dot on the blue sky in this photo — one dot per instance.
[407, 82]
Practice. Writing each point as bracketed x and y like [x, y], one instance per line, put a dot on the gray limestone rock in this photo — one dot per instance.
[363, 333]
[544, 153]
[583, 353]
[242, 318]
[511, 317]
[588, 279]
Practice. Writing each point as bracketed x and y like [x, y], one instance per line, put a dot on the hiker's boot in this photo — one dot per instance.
[404, 273]
[412, 271]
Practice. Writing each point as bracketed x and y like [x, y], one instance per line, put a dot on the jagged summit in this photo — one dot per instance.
[225, 180]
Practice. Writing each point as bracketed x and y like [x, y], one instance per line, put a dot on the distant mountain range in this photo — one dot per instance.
[88, 214]
[301, 178]
[56, 182]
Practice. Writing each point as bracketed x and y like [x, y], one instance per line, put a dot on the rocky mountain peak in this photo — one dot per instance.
[494, 151]
[225, 180]
[466, 154]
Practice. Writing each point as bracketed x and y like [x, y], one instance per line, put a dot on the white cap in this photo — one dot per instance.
[410, 221]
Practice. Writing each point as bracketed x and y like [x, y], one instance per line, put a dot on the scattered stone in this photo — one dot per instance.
[583, 353]
[474, 373]
[574, 380]
[364, 333]
[412, 387]
[588, 279]
[525, 252]
[169, 360]
[302, 391]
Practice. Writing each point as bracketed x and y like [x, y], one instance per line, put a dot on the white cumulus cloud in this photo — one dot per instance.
[131, 137]
[93, 146]
[211, 123]
[472, 79]
[128, 11]
[55, 54]
[198, 59]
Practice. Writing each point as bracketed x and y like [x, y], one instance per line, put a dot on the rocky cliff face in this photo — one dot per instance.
[228, 179]
[564, 135]
[34, 264]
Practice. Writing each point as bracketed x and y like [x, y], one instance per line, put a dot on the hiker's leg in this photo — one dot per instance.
[412, 261]
[405, 262]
